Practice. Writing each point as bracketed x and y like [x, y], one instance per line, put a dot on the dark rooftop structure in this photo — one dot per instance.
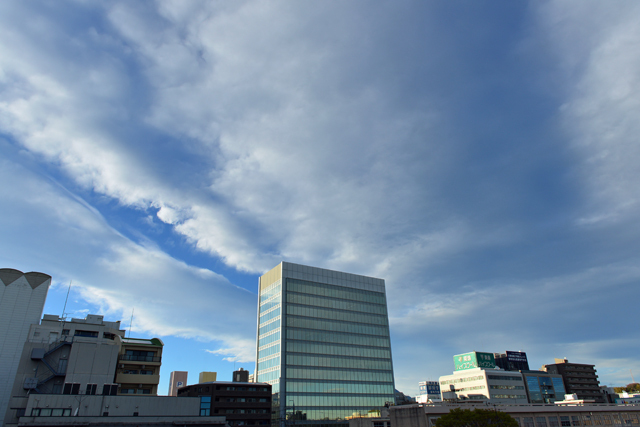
[242, 403]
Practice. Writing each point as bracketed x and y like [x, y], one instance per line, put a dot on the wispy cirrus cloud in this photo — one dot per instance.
[480, 159]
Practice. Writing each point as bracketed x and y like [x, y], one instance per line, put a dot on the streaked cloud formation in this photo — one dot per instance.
[480, 158]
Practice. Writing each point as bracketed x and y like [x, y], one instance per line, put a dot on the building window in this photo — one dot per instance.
[65, 332]
[110, 389]
[71, 388]
[205, 406]
[91, 388]
[140, 356]
[90, 334]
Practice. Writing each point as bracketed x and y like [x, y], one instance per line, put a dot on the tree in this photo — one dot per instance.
[633, 388]
[477, 418]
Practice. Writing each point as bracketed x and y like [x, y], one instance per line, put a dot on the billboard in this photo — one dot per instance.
[433, 387]
[474, 359]
[517, 356]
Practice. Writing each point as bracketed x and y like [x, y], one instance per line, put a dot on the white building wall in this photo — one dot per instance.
[21, 304]
[473, 383]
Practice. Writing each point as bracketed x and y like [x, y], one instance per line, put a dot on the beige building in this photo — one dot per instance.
[484, 384]
[176, 380]
[83, 357]
[207, 377]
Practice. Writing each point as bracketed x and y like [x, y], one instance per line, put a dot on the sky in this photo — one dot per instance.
[481, 157]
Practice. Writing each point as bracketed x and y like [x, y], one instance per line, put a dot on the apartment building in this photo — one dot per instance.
[580, 379]
[88, 356]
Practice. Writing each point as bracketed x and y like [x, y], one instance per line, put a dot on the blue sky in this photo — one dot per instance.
[481, 157]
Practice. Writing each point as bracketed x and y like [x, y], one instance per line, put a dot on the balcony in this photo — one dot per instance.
[140, 359]
[137, 379]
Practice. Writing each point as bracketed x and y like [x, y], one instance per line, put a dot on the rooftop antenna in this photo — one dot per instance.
[64, 309]
[131, 322]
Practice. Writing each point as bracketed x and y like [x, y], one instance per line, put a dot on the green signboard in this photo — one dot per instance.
[474, 360]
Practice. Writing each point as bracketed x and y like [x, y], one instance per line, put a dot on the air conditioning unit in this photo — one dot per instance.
[122, 366]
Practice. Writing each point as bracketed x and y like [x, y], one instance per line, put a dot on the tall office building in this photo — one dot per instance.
[323, 344]
[22, 299]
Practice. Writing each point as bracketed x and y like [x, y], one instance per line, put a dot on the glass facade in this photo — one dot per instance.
[324, 347]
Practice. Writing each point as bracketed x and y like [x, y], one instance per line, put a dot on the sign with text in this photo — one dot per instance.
[474, 360]
[516, 356]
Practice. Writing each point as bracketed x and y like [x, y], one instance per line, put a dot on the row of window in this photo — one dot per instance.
[270, 315]
[336, 326]
[244, 411]
[579, 420]
[242, 399]
[508, 396]
[269, 291]
[338, 362]
[326, 290]
[342, 374]
[336, 337]
[237, 388]
[331, 314]
[135, 391]
[270, 303]
[504, 378]
[266, 352]
[51, 412]
[339, 387]
[274, 324]
[506, 387]
[337, 350]
[327, 402]
[269, 339]
[74, 388]
[269, 363]
[337, 304]
[137, 372]
[477, 387]
[462, 380]
[268, 376]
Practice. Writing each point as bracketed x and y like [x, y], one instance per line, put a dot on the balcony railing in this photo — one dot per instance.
[131, 358]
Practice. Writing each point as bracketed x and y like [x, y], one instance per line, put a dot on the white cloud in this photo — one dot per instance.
[114, 273]
[599, 48]
[268, 131]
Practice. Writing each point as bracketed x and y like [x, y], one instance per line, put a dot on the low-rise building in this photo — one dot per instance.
[578, 378]
[429, 392]
[88, 356]
[62, 410]
[541, 415]
[242, 403]
[483, 384]
[543, 387]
